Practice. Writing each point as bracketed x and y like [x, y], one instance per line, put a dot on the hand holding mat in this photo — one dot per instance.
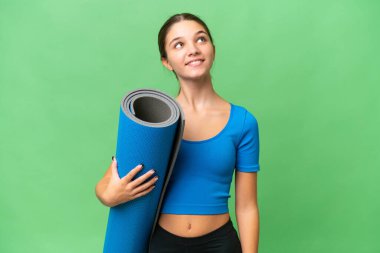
[120, 190]
[150, 131]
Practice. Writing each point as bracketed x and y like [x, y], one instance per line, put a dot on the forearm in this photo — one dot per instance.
[100, 189]
[248, 226]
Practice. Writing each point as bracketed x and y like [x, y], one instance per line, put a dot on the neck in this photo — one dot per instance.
[196, 94]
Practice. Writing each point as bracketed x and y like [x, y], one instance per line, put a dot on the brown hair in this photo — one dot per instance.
[171, 21]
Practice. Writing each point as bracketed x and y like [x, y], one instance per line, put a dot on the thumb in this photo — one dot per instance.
[115, 173]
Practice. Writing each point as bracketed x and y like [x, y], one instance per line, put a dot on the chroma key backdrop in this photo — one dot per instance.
[308, 71]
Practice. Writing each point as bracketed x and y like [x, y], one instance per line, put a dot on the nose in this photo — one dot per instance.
[193, 49]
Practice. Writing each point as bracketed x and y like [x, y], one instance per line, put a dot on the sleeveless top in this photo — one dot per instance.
[202, 174]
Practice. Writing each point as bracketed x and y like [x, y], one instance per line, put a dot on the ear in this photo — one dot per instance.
[166, 63]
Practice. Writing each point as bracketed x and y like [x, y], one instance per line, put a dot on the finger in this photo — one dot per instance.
[114, 168]
[142, 178]
[132, 173]
[145, 186]
[144, 192]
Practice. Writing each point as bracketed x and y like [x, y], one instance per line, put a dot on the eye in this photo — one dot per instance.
[203, 38]
[175, 45]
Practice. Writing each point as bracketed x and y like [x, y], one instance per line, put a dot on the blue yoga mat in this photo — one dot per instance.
[151, 125]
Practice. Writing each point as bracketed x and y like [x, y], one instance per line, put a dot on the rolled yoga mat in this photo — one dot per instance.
[150, 130]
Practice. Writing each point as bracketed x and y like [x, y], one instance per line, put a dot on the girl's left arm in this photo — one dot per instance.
[247, 211]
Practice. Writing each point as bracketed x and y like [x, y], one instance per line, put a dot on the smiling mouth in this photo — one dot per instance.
[195, 63]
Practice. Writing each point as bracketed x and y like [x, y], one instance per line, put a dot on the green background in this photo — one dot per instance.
[308, 71]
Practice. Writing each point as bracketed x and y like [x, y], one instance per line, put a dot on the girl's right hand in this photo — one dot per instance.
[120, 190]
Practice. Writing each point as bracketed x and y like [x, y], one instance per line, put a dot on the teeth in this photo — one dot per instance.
[195, 62]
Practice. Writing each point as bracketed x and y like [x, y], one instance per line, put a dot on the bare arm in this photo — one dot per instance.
[247, 212]
[112, 190]
[102, 185]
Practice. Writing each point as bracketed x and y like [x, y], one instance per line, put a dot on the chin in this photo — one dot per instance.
[196, 77]
[198, 74]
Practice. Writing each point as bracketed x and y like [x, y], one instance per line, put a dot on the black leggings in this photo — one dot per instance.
[222, 240]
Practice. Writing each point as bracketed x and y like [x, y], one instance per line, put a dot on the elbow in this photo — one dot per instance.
[247, 208]
[247, 213]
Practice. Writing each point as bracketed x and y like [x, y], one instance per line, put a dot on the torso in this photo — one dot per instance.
[196, 130]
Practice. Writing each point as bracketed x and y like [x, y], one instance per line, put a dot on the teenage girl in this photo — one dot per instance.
[218, 137]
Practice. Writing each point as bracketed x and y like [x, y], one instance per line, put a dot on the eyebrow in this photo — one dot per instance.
[181, 37]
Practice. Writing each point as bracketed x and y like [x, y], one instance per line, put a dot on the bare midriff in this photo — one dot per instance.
[192, 225]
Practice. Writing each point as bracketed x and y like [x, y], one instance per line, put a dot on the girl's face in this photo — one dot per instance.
[190, 52]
